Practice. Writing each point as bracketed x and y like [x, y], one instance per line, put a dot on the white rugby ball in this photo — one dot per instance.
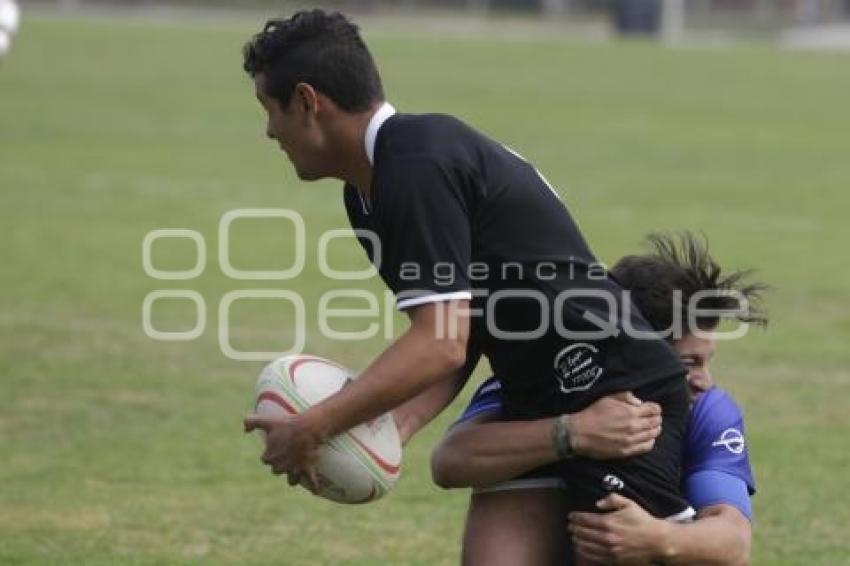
[358, 466]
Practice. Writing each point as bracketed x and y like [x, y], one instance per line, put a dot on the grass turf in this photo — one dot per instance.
[119, 449]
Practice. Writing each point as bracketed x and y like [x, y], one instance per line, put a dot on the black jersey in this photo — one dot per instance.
[458, 215]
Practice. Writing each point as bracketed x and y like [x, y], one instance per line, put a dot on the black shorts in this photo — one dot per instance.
[652, 479]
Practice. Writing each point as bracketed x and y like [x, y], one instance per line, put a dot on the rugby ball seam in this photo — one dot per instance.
[358, 448]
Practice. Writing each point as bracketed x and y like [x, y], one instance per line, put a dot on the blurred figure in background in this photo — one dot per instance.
[9, 21]
[637, 17]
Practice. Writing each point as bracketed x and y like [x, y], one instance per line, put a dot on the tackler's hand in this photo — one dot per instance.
[616, 426]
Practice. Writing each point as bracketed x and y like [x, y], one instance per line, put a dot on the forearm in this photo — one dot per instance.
[412, 363]
[481, 454]
[414, 414]
[719, 539]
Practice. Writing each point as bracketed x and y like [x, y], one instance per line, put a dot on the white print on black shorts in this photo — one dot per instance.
[577, 368]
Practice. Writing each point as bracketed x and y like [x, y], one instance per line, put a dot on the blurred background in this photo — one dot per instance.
[672, 20]
[726, 117]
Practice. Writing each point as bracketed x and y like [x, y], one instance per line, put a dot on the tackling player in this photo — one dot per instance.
[481, 254]
[717, 480]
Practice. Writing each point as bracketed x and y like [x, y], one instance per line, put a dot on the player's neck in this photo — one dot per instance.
[354, 166]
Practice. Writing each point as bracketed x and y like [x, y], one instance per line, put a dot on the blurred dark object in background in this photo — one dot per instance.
[637, 17]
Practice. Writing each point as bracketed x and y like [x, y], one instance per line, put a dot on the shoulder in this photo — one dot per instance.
[714, 409]
[430, 137]
[402, 126]
[716, 438]
[716, 419]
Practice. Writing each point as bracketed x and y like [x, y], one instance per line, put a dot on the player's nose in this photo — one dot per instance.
[700, 380]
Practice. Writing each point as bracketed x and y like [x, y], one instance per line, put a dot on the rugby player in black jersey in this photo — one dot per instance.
[481, 254]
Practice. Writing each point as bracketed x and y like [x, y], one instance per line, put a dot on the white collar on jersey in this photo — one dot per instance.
[378, 118]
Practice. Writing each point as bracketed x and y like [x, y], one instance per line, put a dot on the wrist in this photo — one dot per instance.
[664, 544]
[315, 424]
[561, 441]
[406, 425]
[577, 441]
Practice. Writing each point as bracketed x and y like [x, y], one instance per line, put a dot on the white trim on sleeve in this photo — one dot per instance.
[435, 298]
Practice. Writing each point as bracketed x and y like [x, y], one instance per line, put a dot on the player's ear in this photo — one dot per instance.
[305, 99]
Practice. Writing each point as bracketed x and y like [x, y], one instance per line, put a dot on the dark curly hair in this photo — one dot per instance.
[681, 262]
[322, 49]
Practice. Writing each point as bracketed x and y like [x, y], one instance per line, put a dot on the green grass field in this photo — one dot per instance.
[115, 448]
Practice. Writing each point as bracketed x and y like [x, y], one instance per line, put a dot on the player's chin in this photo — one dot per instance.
[308, 173]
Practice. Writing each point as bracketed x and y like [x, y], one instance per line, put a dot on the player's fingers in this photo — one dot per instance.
[644, 436]
[590, 552]
[643, 424]
[648, 409]
[645, 418]
[587, 535]
[630, 398]
[613, 502]
[272, 458]
[313, 479]
[625, 397]
[267, 458]
[586, 521]
[620, 501]
[253, 422]
[642, 448]
[606, 503]
[590, 538]
[654, 421]
[279, 468]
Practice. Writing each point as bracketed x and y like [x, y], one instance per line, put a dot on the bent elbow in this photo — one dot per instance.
[451, 353]
[456, 355]
[738, 550]
[743, 544]
[745, 551]
[446, 330]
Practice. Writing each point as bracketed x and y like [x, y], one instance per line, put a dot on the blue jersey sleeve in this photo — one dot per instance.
[486, 399]
[716, 464]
